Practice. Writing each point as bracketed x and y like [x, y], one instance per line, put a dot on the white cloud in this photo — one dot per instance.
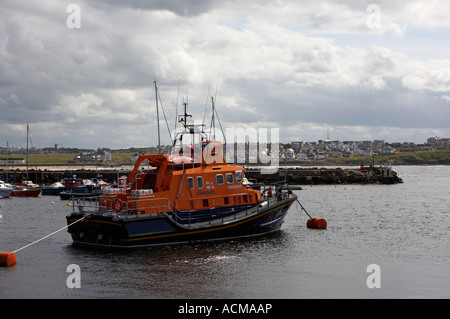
[429, 75]
[446, 98]
[283, 63]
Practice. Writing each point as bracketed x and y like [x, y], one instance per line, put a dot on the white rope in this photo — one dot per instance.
[50, 234]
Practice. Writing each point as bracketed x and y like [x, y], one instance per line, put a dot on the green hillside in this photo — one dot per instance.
[400, 158]
[64, 158]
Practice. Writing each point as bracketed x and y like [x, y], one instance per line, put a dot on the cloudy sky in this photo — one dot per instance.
[379, 71]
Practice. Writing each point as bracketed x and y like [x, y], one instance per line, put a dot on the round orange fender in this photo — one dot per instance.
[7, 259]
[316, 223]
[118, 205]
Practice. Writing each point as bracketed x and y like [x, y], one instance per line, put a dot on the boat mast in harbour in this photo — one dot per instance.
[157, 117]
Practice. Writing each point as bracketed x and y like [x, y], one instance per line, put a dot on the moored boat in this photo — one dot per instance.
[189, 195]
[26, 192]
[5, 190]
[78, 187]
[53, 189]
[26, 189]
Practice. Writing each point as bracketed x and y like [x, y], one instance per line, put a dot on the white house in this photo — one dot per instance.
[12, 160]
[388, 150]
[289, 154]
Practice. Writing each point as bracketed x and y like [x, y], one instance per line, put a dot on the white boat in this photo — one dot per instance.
[5, 189]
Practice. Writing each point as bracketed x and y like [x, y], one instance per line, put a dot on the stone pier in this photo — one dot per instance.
[293, 176]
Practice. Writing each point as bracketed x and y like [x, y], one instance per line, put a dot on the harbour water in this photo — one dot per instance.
[404, 229]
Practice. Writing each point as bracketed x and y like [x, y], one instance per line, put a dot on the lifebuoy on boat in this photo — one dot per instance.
[118, 205]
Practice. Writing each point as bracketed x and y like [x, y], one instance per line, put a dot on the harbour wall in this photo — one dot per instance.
[324, 176]
[292, 175]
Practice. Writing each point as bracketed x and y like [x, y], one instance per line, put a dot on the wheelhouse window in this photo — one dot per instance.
[190, 182]
[199, 182]
[219, 179]
[238, 176]
[229, 178]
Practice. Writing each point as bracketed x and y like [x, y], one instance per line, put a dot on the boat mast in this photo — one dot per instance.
[28, 129]
[183, 118]
[8, 156]
[157, 117]
[213, 122]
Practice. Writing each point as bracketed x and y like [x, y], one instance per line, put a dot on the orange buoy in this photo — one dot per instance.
[316, 223]
[7, 259]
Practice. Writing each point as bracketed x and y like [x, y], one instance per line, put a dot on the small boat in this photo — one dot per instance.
[253, 184]
[186, 196]
[20, 191]
[5, 189]
[53, 189]
[95, 192]
[25, 192]
[77, 187]
[26, 188]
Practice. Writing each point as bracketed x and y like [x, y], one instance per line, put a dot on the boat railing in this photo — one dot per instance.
[145, 206]
[131, 209]
[192, 220]
[274, 193]
[189, 219]
[84, 205]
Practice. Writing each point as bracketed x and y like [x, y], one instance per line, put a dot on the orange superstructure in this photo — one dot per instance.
[183, 182]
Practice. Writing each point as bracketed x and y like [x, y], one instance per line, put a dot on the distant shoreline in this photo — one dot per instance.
[312, 164]
[123, 161]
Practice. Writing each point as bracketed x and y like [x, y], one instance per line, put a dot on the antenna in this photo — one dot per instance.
[213, 122]
[157, 117]
[183, 118]
[176, 105]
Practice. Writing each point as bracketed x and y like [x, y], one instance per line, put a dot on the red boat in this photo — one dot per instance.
[26, 189]
[34, 192]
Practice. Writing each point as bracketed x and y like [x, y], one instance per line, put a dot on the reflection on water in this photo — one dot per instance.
[402, 228]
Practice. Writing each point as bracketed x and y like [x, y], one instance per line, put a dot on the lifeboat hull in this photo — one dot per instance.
[104, 231]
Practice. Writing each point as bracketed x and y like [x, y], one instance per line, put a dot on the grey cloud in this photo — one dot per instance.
[182, 8]
[100, 77]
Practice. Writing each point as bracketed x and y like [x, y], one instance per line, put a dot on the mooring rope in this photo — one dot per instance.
[303, 208]
[78, 220]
